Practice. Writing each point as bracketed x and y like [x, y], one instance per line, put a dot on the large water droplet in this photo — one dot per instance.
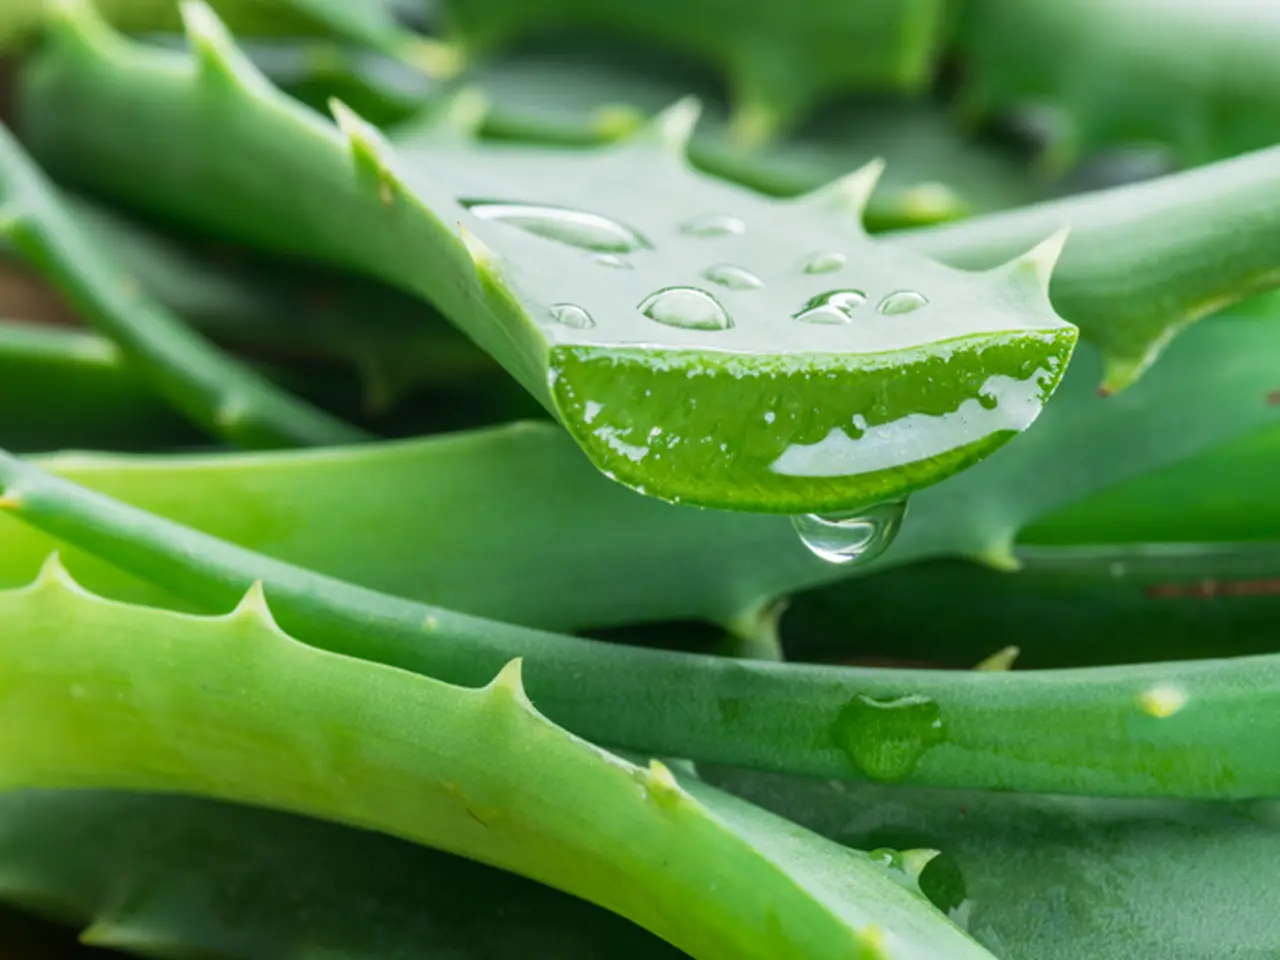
[886, 738]
[713, 225]
[590, 231]
[902, 301]
[836, 306]
[859, 535]
[735, 278]
[572, 315]
[611, 260]
[824, 263]
[686, 307]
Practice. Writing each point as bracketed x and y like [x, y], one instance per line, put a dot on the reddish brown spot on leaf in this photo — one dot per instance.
[1211, 589]
[1273, 398]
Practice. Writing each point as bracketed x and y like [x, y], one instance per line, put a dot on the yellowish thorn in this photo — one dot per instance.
[1161, 702]
[1000, 660]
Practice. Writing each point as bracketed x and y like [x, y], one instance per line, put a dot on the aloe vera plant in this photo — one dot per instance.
[643, 531]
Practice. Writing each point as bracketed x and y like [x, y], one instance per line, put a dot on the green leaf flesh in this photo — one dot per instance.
[1143, 260]
[989, 341]
[1154, 464]
[105, 695]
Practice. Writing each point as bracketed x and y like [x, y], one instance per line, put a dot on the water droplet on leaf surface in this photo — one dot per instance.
[824, 263]
[902, 301]
[686, 307]
[589, 231]
[572, 315]
[835, 306]
[886, 738]
[713, 225]
[859, 535]
[611, 260]
[735, 278]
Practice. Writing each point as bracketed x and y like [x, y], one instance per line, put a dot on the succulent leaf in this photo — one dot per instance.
[109, 695]
[780, 60]
[211, 388]
[1153, 464]
[1196, 77]
[1089, 731]
[871, 374]
[1144, 260]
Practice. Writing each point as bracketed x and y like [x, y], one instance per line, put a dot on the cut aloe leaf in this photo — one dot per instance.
[1143, 260]
[701, 342]
[780, 59]
[106, 695]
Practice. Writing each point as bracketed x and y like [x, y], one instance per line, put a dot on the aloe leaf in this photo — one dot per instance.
[1198, 471]
[214, 390]
[779, 60]
[368, 22]
[170, 876]
[397, 343]
[1067, 606]
[1144, 260]
[648, 343]
[1062, 878]
[96, 693]
[1197, 729]
[67, 388]
[573, 96]
[1092, 73]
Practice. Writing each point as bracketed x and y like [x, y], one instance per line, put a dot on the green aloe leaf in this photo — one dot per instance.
[1153, 464]
[645, 304]
[1197, 77]
[1061, 878]
[107, 695]
[214, 390]
[74, 389]
[169, 877]
[1196, 729]
[780, 60]
[1180, 262]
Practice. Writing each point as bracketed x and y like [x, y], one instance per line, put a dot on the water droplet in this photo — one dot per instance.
[902, 301]
[713, 225]
[886, 738]
[860, 535]
[686, 307]
[735, 278]
[590, 231]
[824, 263]
[836, 306]
[611, 260]
[572, 315]
[1162, 702]
[988, 401]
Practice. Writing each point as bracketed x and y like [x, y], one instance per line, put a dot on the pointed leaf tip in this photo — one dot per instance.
[464, 113]
[673, 127]
[850, 193]
[1039, 262]
[253, 606]
[510, 679]
[481, 255]
[214, 47]
[53, 573]
[1001, 660]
